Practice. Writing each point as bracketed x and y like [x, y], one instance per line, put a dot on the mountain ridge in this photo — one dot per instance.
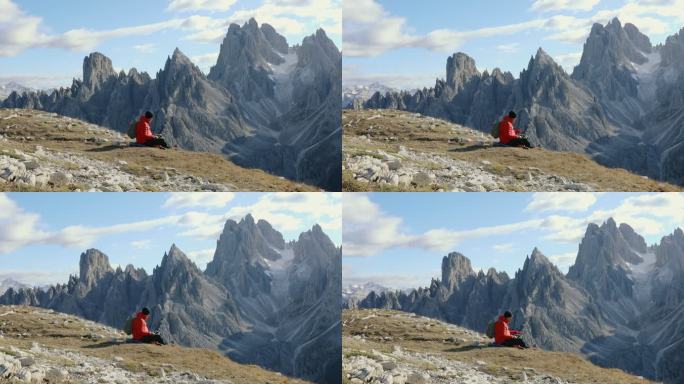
[619, 293]
[617, 106]
[261, 105]
[242, 312]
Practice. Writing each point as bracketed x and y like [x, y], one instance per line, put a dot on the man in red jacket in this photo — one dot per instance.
[143, 133]
[504, 336]
[510, 136]
[141, 332]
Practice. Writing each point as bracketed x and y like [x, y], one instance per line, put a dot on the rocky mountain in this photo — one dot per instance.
[260, 301]
[264, 104]
[622, 104]
[8, 283]
[353, 96]
[352, 293]
[9, 87]
[618, 304]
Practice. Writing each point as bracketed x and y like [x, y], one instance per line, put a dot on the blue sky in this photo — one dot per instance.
[42, 43]
[403, 43]
[43, 234]
[398, 239]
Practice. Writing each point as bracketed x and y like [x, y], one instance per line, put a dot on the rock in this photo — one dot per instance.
[416, 377]
[388, 365]
[56, 375]
[421, 179]
[60, 178]
[31, 165]
[27, 361]
[394, 165]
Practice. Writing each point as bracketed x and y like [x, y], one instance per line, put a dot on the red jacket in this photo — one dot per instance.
[506, 130]
[139, 327]
[143, 132]
[501, 331]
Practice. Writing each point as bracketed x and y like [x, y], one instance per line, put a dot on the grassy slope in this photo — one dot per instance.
[72, 138]
[438, 137]
[136, 357]
[438, 340]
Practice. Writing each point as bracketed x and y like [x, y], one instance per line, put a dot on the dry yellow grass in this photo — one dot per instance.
[27, 130]
[378, 325]
[438, 137]
[136, 357]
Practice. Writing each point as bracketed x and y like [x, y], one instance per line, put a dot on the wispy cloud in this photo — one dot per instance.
[564, 5]
[370, 30]
[145, 48]
[189, 199]
[294, 212]
[572, 202]
[141, 244]
[368, 231]
[508, 48]
[200, 5]
[563, 260]
[21, 31]
[503, 248]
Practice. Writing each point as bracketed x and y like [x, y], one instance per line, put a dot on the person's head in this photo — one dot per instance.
[149, 115]
[507, 316]
[512, 115]
[145, 312]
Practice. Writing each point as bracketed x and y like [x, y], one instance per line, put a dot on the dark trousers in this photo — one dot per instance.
[151, 339]
[514, 342]
[520, 142]
[156, 142]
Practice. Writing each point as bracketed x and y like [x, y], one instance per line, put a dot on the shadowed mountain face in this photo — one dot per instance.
[620, 303]
[622, 104]
[261, 300]
[264, 104]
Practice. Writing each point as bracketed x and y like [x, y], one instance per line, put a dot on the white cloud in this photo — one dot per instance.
[508, 48]
[200, 5]
[141, 244]
[370, 30]
[205, 61]
[571, 201]
[563, 5]
[189, 199]
[201, 257]
[507, 247]
[285, 211]
[20, 31]
[563, 260]
[288, 17]
[569, 60]
[145, 48]
[17, 227]
[367, 231]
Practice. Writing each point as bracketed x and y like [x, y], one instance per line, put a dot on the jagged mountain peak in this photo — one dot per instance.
[175, 262]
[178, 61]
[537, 259]
[460, 68]
[97, 68]
[456, 268]
[541, 59]
[93, 265]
